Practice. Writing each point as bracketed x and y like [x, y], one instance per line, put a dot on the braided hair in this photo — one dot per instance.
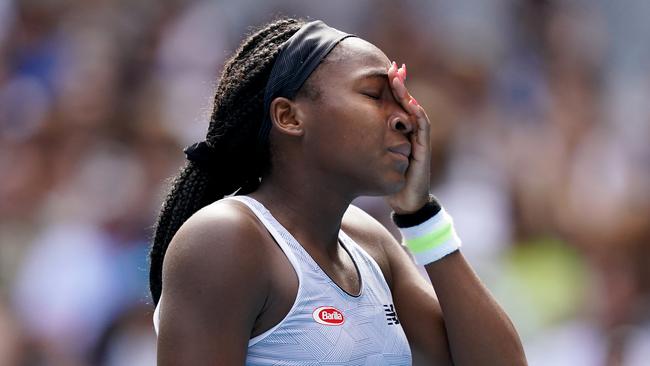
[234, 125]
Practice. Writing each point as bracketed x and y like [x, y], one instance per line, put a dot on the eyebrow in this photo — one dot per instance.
[374, 74]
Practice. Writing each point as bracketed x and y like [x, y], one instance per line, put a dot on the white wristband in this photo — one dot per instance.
[432, 239]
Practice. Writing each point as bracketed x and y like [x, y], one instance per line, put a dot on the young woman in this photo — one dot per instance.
[307, 118]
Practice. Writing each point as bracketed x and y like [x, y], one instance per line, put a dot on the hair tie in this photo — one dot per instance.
[201, 153]
[215, 161]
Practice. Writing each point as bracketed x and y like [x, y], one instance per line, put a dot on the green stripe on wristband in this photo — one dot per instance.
[431, 240]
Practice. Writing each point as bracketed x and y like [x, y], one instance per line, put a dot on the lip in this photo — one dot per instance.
[401, 149]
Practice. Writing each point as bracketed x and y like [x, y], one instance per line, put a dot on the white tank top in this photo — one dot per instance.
[326, 325]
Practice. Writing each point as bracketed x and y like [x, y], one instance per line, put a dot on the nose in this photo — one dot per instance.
[401, 122]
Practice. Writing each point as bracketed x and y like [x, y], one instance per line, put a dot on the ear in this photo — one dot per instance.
[286, 116]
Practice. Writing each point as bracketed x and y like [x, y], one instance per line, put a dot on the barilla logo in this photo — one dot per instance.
[328, 315]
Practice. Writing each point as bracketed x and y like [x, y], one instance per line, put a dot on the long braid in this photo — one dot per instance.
[234, 125]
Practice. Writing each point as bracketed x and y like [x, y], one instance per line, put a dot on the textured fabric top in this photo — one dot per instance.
[327, 325]
[299, 56]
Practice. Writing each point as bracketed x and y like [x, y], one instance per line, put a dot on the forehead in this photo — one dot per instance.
[350, 57]
[357, 52]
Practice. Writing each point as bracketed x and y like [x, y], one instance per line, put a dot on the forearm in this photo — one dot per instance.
[478, 330]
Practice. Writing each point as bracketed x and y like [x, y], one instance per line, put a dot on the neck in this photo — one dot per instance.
[312, 212]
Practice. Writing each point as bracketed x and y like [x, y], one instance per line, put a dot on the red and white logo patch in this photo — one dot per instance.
[328, 315]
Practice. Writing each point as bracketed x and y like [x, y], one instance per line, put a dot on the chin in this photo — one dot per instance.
[379, 181]
[388, 187]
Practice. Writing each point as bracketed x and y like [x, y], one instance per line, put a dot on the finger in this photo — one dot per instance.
[412, 107]
[402, 73]
[400, 93]
[392, 71]
[423, 123]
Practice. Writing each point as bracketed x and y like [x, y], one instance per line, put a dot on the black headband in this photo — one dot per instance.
[298, 58]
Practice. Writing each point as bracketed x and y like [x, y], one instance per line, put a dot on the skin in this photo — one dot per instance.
[363, 135]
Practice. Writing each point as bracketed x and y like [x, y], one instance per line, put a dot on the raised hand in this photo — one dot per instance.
[416, 191]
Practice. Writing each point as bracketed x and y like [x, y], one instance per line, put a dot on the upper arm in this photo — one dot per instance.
[213, 289]
[415, 300]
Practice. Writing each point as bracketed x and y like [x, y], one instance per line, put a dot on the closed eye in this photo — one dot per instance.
[372, 95]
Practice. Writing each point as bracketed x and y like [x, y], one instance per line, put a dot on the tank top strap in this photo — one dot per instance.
[277, 231]
[280, 233]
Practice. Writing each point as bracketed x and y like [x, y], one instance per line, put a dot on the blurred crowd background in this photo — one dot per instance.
[541, 130]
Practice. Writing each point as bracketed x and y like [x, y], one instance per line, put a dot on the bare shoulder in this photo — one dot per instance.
[222, 235]
[215, 263]
[372, 236]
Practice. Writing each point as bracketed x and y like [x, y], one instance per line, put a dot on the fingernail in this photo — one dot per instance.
[404, 68]
[415, 101]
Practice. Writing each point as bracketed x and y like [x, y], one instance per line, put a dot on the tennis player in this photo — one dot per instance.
[258, 256]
